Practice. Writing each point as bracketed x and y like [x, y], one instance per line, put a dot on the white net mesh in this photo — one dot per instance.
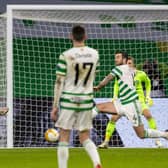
[94, 16]
[2, 79]
[40, 37]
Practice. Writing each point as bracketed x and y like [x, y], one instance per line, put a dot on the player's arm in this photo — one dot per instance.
[116, 72]
[147, 86]
[59, 83]
[147, 81]
[104, 82]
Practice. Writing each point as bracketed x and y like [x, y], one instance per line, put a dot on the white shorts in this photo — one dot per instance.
[70, 119]
[132, 111]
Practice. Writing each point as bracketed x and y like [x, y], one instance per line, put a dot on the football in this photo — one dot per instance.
[51, 135]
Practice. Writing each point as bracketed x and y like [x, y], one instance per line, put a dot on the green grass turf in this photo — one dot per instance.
[111, 158]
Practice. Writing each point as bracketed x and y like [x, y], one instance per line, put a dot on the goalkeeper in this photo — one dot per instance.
[140, 78]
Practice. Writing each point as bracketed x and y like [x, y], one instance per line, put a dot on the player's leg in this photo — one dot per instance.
[84, 124]
[107, 107]
[110, 128]
[151, 123]
[147, 114]
[65, 122]
[62, 150]
[3, 110]
[90, 148]
[134, 115]
[149, 133]
[114, 108]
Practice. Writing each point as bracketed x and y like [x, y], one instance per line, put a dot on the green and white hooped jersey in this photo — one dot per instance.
[125, 76]
[78, 65]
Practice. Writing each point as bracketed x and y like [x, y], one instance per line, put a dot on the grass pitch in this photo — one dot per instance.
[111, 158]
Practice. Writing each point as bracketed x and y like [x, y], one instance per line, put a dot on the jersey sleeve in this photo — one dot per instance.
[147, 85]
[116, 72]
[61, 66]
[116, 89]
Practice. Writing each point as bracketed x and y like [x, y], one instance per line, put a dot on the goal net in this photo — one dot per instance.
[39, 36]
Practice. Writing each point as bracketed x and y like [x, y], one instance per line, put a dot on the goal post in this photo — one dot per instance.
[38, 34]
[3, 125]
[9, 52]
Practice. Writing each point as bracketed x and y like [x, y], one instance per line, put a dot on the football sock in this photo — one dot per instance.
[91, 149]
[151, 133]
[109, 130]
[62, 154]
[152, 123]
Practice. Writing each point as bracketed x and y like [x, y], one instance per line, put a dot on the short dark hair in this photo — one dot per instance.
[123, 53]
[132, 59]
[78, 33]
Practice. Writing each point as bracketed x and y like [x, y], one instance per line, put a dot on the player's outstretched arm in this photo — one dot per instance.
[104, 82]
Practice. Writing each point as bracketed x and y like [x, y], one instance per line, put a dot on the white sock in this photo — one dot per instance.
[62, 154]
[151, 133]
[91, 149]
[94, 112]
